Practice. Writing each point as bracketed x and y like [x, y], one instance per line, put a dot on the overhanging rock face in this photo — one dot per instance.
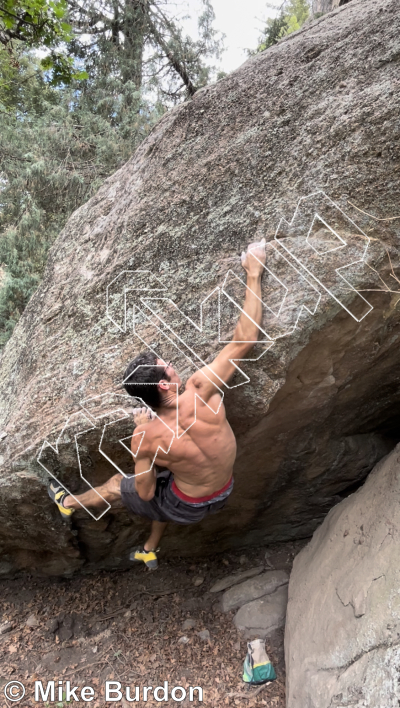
[315, 116]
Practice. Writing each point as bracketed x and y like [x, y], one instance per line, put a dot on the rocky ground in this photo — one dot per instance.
[137, 627]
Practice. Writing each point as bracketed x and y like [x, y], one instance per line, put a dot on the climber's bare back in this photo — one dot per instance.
[203, 450]
[201, 459]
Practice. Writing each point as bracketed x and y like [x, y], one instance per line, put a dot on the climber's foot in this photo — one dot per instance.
[57, 494]
[149, 558]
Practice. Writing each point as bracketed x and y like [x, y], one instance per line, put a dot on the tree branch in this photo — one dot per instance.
[175, 63]
[16, 17]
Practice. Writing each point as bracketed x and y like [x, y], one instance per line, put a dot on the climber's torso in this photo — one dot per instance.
[201, 459]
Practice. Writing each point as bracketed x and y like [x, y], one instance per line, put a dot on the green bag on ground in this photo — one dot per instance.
[257, 668]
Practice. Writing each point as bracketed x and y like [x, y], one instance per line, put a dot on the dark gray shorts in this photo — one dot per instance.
[165, 505]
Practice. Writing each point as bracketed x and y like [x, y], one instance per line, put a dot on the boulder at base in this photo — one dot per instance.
[254, 588]
[342, 638]
[236, 578]
[262, 617]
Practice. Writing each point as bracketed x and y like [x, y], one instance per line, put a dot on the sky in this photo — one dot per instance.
[240, 20]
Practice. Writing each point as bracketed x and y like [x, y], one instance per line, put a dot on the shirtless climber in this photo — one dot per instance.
[199, 479]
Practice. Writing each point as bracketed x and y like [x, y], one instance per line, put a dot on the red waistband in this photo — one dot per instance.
[197, 500]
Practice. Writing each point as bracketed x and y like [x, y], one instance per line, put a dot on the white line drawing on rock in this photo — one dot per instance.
[55, 449]
[342, 244]
[292, 243]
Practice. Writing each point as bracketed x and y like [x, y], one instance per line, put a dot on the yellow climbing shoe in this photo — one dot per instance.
[149, 558]
[57, 494]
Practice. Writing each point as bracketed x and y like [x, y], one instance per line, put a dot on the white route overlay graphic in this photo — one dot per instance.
[293, 259]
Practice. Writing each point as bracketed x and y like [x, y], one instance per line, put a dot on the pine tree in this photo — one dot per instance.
[54, 154]
[137, 41]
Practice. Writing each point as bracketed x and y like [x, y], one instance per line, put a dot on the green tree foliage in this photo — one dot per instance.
[59, 143]
[54, 154]
[35, 22]
[38, 23]
[297, 12]
[292, 15]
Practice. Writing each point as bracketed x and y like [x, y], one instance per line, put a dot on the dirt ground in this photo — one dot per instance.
[127, 626]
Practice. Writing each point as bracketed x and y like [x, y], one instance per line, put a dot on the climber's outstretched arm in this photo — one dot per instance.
[246, 332]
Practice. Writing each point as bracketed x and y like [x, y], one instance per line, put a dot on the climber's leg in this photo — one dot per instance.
[147, 553]
[157, 532]
[110, 491]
